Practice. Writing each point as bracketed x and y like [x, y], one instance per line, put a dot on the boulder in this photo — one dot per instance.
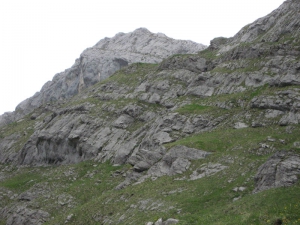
[240, 125]
[176, 161]
[280, 170]
[25, 216]
[123, 121]
[207, 170]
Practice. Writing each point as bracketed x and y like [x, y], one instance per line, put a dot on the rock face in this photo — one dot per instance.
[282, 21]
[176, 161]
[102, 60]
[238, 101]
[132, 117]
[280, 170]
[25, 216]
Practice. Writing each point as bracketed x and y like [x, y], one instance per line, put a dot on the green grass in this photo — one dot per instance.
[22, 181]
[23, 129]
[248, 67]
[131, 79]
[194, 109]
[222, 140]
[205, 201]
[208, 54]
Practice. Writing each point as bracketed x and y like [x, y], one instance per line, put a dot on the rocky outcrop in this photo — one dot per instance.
[192, 63]
[176, 161]
[166, 222]
[26, 216]
[132, 120]
[102, 60]
[271, 28]
[238, 101]
[280, 170]
[6, 118]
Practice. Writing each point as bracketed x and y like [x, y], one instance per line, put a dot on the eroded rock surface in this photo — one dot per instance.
[102, 60]
[176, 161]
[25, 216]
[280, 170]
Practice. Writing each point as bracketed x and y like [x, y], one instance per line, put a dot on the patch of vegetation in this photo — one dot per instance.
[22, 130]
[208, 54]
[247, 66]
[194, 109]
[258, 91]
[23, 181]
[222, 140]
[132, 77]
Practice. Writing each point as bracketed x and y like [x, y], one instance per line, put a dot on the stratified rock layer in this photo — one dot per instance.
[280, 170]
[102, 60]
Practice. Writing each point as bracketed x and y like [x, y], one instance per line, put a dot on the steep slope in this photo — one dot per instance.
[101, 61]
[282, 25]
[207, 138]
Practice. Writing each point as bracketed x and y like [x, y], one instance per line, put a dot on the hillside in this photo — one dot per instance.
[205, 137]
[101, 61]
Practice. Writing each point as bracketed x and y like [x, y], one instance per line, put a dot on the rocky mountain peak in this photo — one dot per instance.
[102, 60]
[142, 41]
[193, 139]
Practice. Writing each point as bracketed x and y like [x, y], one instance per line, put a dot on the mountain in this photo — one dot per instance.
[208, 137]
[101, 61]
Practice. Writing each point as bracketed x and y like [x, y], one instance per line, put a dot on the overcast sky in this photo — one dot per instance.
[40, 38]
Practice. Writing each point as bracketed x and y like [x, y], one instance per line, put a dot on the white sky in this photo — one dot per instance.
[40, 38]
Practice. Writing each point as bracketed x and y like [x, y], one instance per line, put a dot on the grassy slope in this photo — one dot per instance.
[205, 201]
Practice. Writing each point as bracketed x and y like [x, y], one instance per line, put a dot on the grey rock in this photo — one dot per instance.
[201, 91]
[25, 216]
[69, 218]
[236, 189]
[123, 121]
[192, 63]
[27, 196]
[290, 79]
[7, 118]
[297, 144]
[256, 124]
[155, 98]
[280, 170]
[282, 102]
[143, 87]
[237, 198]
[142, 166]
[270, 113]
[147, 116]
[207, 170]
[290, 118]
[6, 144]
[130, 178]
[65, 200]
[159, 222]
[102, 60]
[166, 222]
[162, 138]
[132, 110]
[256, 80]
[145, 158]
[268, 28]
[176, 161]
[218, 42]
[240, 125]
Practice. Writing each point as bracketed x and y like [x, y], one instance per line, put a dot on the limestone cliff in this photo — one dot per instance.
[190, 134]
[102, 60]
